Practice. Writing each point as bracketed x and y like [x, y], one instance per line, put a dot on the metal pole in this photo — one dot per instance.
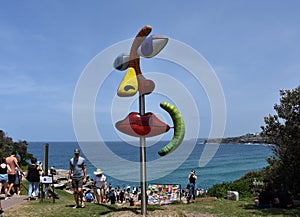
[143, 161]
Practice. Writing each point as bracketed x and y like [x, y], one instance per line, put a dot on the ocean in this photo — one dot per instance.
[230, 162]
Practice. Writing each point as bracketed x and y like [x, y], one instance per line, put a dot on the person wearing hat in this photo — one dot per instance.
[100, 185]
[78, 173]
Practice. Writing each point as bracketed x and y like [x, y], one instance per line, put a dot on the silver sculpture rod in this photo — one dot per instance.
[143, 161]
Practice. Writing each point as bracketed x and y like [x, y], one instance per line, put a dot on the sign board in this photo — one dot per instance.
[46, 179]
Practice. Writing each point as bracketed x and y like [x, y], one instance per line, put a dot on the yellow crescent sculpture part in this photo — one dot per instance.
[179, 129]
[129, 84]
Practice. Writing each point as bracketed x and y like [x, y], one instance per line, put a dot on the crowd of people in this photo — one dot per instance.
[112, 195]
[102, 193]
[11, 182]
[10, 177]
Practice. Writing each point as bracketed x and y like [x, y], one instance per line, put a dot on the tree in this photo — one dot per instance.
[21, 148]
[283, 131]
[7, 145]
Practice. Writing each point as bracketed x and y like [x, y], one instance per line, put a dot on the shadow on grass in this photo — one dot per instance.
[72, 206]
[273, 211]
[133, 209]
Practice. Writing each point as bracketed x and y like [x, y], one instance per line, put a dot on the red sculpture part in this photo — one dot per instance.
[147, 125]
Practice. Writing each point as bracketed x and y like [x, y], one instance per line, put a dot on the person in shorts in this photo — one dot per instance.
[77, 174]
[4, 168]
[100, 185]
[18, 182]
[13, 163]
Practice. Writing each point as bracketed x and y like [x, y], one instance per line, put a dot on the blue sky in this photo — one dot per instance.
[253, 46]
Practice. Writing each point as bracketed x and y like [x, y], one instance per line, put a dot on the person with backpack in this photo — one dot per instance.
[111, 195]
[33, 178]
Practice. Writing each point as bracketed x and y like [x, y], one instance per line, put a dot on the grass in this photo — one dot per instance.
[235, 208]
[222, 208]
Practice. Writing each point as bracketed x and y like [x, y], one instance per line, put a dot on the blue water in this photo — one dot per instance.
[229, 163]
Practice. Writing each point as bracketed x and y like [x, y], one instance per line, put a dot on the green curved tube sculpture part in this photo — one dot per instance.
[179, 129]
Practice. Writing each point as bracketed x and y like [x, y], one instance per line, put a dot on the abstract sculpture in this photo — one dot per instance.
[143, 124]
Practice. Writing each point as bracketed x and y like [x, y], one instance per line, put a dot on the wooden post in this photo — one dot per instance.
[46, 152]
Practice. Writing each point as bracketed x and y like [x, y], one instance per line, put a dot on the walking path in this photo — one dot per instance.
[13, 201]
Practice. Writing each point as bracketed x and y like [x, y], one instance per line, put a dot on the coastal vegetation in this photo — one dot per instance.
[283, 130]
[246, 186]
[7, 146]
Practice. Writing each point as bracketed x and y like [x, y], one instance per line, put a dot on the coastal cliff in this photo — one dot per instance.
[244, 139]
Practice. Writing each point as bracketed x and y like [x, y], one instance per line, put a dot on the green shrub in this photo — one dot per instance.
[244, 186]
[219, 190]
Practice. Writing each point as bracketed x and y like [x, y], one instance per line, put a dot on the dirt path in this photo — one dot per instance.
[13, 201]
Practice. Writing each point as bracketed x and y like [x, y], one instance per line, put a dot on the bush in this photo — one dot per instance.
[219, 190]
[244, 186]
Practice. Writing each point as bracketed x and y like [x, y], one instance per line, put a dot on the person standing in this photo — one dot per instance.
[100, 184]
[4, 168]
[33, 178]
[192, 180]
[13, 163]
[18, 182]
[77, 172]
